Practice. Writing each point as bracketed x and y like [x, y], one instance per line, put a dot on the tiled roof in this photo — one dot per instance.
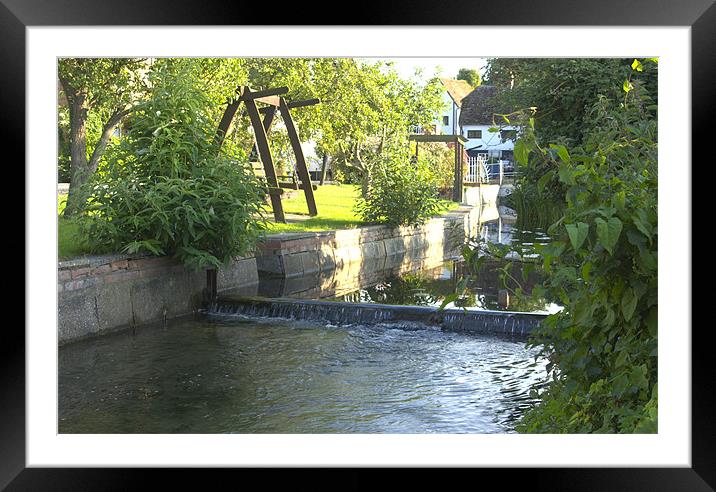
[479, 107]
[457, 89]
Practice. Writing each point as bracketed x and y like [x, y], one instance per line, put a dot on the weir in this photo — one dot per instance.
[344, 313]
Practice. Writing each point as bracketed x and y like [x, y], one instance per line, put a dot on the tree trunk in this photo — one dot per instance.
[78, 150]
[324, 167]
[107, 130]
[80, 168]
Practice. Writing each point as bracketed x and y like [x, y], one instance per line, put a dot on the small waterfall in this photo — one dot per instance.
[345, 313]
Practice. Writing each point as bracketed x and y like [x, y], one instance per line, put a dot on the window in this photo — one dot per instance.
[474, 134]
[446, 120]
[508, 134]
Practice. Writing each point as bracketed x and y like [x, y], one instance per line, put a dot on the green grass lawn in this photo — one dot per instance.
[335, 205]
[336, 210]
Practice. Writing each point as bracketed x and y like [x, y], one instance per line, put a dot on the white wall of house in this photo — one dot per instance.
[489, 141]
[449, 115]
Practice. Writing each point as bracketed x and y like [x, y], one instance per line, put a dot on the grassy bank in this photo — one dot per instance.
[336, 210]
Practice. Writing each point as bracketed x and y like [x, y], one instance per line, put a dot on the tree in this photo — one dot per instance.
[563, 90]
[363, 105]
[108, 87]
[469, 75]
[168, 188]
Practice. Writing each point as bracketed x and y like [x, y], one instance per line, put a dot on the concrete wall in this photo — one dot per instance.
[360, 251]
[482, 195]
[105, 293]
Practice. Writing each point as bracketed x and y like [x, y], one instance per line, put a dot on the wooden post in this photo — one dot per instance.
[457, 185]
[268, 121]
[266, 158]
[301, 167]
[211, 285]
[226, 121]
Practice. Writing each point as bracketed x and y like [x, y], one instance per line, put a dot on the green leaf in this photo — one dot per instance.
[561, 152]
[566, 175]
[608, 232]
[628, 305]
[652, 321]
[585, 271]
[636, 65]
[577, 234]
[521, 152]
[542, 182]
[627, 86]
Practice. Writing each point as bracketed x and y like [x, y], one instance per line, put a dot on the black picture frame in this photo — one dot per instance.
[16, 15]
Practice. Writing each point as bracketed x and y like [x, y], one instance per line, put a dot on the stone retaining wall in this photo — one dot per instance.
[105, 293]
[363, 250]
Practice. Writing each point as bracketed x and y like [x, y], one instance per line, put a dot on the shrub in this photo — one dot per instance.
[602, 265]
[440, 158]
[167, 190]
[400, 192]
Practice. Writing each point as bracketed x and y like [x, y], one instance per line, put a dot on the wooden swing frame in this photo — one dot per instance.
[274, 101]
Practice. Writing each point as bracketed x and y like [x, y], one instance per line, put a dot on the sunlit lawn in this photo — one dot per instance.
[335, 203]
[336, 210]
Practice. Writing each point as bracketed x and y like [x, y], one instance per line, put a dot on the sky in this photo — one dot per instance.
[450, 66]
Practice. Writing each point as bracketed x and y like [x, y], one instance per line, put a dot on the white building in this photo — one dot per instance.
[455, 92]
[479, 113]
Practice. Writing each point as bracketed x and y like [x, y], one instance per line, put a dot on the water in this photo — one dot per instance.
[195, 376]
[415, 285]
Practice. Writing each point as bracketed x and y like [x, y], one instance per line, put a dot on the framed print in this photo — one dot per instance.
[44, 430]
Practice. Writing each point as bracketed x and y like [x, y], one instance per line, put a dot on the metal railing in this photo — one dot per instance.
[479, 171]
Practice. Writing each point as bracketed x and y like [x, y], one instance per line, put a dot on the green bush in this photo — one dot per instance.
[400, 192]
[440, 158]
[602, 265]
[167, 189]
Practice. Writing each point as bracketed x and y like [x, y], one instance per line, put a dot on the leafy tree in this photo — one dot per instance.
[168, 189]
[103, 89]
[560, 95]
[469, 75]
[363, 105]
[563, 90]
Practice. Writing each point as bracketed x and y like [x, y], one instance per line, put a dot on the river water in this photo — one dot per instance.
[273, 376]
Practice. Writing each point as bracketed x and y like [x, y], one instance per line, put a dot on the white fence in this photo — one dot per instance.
[477, 171]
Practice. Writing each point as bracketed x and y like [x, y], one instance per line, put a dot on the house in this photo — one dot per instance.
[478, 114]
[455, 92]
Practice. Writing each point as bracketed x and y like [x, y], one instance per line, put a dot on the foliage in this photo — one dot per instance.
[562, 90]
[168, 190]
[602, 266]
[441, 159]
[96, 94]
[469, 75]
[561, 96]
[402, 191]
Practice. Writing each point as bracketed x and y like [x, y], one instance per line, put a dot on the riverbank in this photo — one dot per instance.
[101, 294]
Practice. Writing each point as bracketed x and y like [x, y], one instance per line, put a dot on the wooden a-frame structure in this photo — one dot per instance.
[274, 101]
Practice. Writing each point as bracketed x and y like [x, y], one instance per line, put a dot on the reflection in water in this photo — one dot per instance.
[289, 377]
[408, 284]
[429, 287]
